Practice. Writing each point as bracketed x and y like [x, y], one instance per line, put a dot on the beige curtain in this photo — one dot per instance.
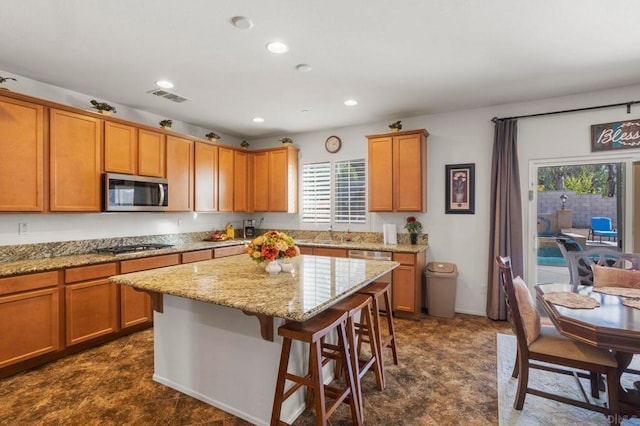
[505, 238]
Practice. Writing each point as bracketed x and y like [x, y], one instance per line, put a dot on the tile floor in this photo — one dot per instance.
[446, 376]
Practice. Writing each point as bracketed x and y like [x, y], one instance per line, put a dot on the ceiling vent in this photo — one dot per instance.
[163, 93]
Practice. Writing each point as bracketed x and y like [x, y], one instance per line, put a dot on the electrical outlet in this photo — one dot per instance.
[23, 228]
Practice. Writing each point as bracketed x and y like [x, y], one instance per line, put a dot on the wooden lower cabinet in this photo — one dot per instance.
[135, 306]
[407, 285]
[30, 316]
[197, 256]
[91, 303]
[324, 251]
[229, 251]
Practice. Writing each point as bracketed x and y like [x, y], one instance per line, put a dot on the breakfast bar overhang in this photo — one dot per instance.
[205, 344]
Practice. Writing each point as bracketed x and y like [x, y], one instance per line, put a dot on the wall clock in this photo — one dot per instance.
[333, 144]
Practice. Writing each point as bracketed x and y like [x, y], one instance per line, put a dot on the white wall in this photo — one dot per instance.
[456, 137]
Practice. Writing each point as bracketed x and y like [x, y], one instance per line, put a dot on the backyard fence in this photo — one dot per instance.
[583, 206]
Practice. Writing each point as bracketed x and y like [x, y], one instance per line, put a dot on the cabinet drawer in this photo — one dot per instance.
[229, 251]
[306, 250]
[134, 265]
[28, 282]
[84, 273]
[196, 256]
[405, 258]
[328, 251]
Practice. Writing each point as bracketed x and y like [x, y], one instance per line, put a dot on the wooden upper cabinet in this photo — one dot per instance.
[398, 172]
[151, 153]
[232, 180]
[75, 146]
[22, 159]
[120, 148]
[225, 179]
[260, 191]
[275, 180]
[180, 173]
[240, 181]
[205, 177]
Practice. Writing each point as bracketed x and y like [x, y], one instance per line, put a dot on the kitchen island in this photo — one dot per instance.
[205, 344]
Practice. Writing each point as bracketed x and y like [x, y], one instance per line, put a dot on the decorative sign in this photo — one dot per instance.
[619, 135]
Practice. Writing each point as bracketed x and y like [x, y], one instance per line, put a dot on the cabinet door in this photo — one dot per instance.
[76, 161]
[180, 173]
[90, 310]
[260, 182]
[120, 148]
[22, 159]
[240, 181]
[278, 179]
[206, 159]
[225, 179]
[381, 174]
[135, 307]
[408, 159]
[151, 151]
[404, 296]
[29, 326]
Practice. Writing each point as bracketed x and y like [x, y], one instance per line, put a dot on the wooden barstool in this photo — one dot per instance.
[313, 331]
[357, 331]
[376, 290]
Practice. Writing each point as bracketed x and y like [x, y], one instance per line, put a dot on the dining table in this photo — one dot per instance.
[611, 325]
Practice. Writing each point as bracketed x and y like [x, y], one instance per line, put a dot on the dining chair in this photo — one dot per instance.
[545, 345]
[580, 272]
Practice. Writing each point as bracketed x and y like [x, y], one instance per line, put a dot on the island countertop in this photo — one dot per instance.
[316, 283]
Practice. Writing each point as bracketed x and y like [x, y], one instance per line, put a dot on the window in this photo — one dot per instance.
[342, 198]
[350, 195]
[316, 193]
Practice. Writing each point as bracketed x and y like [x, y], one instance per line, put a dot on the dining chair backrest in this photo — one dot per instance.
[515, 318]
[580, 272]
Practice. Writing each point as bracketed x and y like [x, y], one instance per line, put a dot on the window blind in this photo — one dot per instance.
[350, 191]
[316, 193]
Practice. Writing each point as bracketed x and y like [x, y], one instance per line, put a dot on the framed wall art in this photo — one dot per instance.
[460, 188]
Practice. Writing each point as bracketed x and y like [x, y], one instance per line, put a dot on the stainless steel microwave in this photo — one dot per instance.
[128, 193]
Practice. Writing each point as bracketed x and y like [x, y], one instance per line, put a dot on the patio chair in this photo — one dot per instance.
[566, 355]
[602, 227]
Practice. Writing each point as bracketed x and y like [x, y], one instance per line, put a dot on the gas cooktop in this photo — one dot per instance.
[132, 248]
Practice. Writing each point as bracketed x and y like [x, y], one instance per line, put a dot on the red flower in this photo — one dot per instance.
[411, 219]
[269, 252]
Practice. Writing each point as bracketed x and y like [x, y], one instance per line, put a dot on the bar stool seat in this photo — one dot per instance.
[376, 290]
[312, 332]
[357, 332]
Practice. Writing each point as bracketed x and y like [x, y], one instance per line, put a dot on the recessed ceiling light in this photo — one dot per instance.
[350, 102]
[258, 120]
[241, 22]
[303, 67]
[277, 47]
[164, 84]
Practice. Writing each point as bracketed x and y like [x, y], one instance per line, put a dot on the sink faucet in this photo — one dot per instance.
[331, 232]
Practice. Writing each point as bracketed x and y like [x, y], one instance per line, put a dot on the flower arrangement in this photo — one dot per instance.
[286, 141]
[166, 123]
[413, 226]
[272, 245]
[244, 144]
[102, 106]
[212, 136]
[396, 125]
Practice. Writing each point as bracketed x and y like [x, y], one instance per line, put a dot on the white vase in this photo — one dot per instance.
[286, 267]
[272, 267]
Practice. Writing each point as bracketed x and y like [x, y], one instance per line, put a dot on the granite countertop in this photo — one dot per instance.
[396, 248]
[52, 263]
[316, 283]
[44, 264]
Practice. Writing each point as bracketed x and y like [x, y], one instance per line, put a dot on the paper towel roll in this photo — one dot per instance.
[389, 233]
